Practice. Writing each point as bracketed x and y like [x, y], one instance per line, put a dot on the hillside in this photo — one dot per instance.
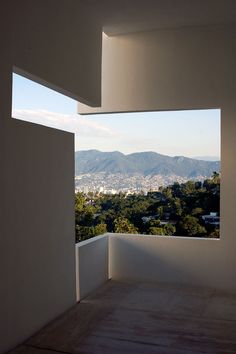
[145, 163]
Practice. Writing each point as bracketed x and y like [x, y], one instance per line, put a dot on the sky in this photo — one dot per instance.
[193, 133]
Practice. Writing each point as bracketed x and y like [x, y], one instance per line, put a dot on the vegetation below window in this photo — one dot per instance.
[186, 209]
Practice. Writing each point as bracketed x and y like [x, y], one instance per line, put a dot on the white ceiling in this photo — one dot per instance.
[126, 16]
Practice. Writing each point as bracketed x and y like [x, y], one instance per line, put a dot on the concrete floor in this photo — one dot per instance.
[142, 318]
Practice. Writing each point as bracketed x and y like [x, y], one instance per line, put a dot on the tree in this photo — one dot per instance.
[181, 204]
[154, 223]
[167, 192]
[215, 234]
[176, 207]
[189, 188]
[191, 227]
[166, 230]
[80, 201]
[160, 211]
[153, 226]
[169, 229]
[156, 231]
[123, 225]
[197, 211]
[84, 232]
[216, 177]
[100, 229]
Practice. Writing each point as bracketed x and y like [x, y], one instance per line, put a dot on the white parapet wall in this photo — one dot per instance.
[150, 258]
[91, 264]
[184, 260]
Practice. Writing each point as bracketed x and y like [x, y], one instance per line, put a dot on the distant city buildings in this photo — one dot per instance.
[126, 183]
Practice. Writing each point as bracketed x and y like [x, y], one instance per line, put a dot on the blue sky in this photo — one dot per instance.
[186, 133]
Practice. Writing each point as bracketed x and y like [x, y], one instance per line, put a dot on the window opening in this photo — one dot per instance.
[142, 172]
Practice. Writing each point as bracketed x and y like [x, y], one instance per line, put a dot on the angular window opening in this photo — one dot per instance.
[150, 173]
[143, 172]
[35, 103]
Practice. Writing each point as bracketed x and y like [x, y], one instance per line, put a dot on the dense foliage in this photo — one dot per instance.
[174, 210]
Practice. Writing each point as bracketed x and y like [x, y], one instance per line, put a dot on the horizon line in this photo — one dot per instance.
[204, 157]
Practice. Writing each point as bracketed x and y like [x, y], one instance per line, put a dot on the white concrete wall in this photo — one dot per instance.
[57, 43]
[37, 230]
[188, 68]
[169, 259]
[92, 264]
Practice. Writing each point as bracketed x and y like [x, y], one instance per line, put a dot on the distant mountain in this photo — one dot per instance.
[145, 163]
[206, 158]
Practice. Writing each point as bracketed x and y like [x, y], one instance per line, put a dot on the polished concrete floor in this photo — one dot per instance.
[142, 318]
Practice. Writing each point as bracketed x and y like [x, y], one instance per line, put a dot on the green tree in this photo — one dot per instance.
[154, 223]
[80, 201]
[157, 229]
[197, 211]
[160, 211]
[176, 207]
[169, 229]
[123, 225]
[191, 227]
[84, 232]
[167, 192]
[183, 203]
[153, 230]
[100, 229]
[188, 188]
[216, 177]
[214, 234]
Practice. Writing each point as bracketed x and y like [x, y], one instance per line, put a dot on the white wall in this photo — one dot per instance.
[92, 264]
[179, 69]
[149, 258]
[189, 261]
[188, 68]
[58, 44]
[37, 230]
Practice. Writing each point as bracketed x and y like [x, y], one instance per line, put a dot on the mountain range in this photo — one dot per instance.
[144, 163]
